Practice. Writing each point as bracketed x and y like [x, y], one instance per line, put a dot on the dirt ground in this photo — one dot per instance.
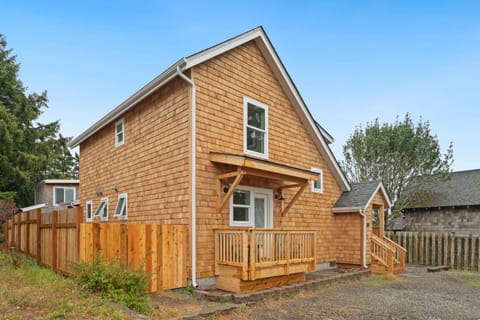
[414, 294]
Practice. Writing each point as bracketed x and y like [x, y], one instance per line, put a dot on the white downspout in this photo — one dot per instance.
[362, 213]
[194, 178]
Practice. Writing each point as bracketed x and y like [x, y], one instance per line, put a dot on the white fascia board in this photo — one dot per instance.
[138, 96]
[379, 187]
[225, 46]
[30, 208]
[60, 181]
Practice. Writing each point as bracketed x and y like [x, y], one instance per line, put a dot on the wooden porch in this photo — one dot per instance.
[255, 259]
[387, 256]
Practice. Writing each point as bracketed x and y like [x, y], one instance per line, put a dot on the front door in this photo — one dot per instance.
[251, 207]
[260, 207]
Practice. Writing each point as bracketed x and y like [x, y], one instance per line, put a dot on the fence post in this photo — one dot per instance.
[27, 230]
[39, 236]
[54, 239]
[77, 226]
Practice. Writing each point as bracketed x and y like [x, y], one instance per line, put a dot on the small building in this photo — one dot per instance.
[56, 194]
[452, 205]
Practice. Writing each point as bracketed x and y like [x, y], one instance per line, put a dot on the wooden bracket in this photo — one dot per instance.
[232, 188]
[294, 199]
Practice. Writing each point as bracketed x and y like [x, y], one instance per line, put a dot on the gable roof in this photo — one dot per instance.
[320, 137]
[359, 197]
[462, 189]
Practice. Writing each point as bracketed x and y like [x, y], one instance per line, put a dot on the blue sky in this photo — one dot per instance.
[352, 61]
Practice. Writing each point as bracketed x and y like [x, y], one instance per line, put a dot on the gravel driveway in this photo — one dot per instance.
[414, 294]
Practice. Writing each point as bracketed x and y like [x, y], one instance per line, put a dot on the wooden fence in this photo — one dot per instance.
[51, 238]
[160, 250]
[439, 248]
[57, 238]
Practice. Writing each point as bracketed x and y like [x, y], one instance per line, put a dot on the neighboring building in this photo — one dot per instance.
[222, 140]
[56, 194]
[452, 205]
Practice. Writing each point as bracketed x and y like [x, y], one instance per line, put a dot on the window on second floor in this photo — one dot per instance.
[63, 195]
[255, 119]
[317, 186]
[119, 133]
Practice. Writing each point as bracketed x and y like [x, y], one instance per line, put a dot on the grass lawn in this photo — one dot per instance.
[28, 291]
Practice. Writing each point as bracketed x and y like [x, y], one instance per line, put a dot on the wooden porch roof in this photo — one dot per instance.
[265, 168]
[296, 177]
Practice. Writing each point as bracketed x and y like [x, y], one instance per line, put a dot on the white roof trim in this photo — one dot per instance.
[37, 206]
[60, 181]
[138, 96]
[380, 186]
[267, 49]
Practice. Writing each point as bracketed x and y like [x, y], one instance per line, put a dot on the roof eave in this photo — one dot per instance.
[138, 96]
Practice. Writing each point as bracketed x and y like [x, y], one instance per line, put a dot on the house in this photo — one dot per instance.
[452, 205]
[56, 194]
[223, 142]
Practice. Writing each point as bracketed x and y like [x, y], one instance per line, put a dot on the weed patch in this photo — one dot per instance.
[114, 281]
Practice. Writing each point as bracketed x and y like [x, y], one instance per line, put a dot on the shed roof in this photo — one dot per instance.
[360, 196]
[462, 189]
[320, 136]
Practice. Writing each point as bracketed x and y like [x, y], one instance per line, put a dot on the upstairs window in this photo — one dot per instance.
[121, 209]
[317, 186]
[119, 133]
[63, 195]
[88, 211]
[255, 119]
[102, 209]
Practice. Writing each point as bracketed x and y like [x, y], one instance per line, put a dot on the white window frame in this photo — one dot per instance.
[246, 101]
[119, 143]
[55, 204]
[89, 204]
[103, 208]
[251, 208]
[320, 177]
[125, 206]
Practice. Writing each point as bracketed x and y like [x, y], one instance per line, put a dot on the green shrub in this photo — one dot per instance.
[114, 281]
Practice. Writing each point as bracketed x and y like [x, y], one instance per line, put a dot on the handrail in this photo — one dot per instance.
[388, 253]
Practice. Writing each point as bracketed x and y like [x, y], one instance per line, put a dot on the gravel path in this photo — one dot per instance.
[414, 294]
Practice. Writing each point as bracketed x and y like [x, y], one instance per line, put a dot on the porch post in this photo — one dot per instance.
[381, 231]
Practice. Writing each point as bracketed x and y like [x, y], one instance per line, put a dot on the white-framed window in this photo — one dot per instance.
[63, 195]
[119, 133]
[102, 209]
[88, 211]
[122, 205]
[251, 207]
[317, 186]
[255, 128]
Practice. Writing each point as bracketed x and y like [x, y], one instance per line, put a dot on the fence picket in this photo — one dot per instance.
[433, 249]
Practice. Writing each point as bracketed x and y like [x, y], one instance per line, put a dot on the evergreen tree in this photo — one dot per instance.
[29, 151]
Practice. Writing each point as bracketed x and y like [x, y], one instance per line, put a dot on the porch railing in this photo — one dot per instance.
[260, 249]
[388, 253]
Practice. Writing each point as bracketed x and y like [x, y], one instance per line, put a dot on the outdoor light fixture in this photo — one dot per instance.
[115, 187]
[279, 197]
[225, 189]
[99, 192]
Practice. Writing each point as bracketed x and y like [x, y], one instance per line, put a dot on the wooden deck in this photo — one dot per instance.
[255, 259]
